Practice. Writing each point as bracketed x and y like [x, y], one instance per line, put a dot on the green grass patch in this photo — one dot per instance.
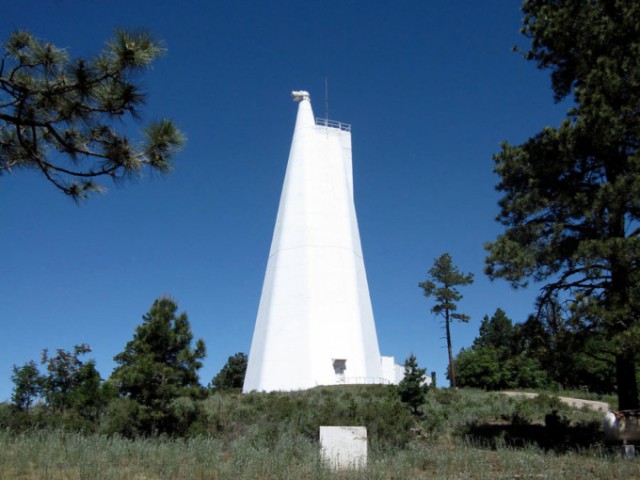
[461, 434]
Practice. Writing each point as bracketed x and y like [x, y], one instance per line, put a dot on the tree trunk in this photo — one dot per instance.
[452, 373]
[627, 383]
[618, 303]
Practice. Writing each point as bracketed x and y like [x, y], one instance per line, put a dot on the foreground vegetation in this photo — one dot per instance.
[56, 455]
[460, 434]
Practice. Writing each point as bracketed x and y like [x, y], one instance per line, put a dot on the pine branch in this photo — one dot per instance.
[70, 106]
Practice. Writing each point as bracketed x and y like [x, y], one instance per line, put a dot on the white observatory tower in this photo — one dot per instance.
[315, 323]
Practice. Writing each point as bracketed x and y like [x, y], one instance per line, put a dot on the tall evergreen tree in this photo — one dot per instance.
[496, 332]
[442, 282]
[60, 116]
[159, 365]
[571, 203]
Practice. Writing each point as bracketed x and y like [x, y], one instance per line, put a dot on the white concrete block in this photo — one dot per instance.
[344, 447]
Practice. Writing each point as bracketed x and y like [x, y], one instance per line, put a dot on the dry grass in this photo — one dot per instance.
[462, 435]
[58, 456]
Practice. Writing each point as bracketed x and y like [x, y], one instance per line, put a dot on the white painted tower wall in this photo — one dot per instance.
[315, 323]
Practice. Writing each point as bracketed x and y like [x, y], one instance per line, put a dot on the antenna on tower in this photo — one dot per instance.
[326, 100]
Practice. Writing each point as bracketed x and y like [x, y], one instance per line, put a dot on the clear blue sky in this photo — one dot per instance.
[431, 89]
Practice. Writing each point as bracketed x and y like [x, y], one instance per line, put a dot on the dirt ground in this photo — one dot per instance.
[573, 402]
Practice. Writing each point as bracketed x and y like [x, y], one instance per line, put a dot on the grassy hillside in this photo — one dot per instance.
[461, 434]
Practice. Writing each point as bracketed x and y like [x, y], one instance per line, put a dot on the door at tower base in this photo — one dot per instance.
[315, 323]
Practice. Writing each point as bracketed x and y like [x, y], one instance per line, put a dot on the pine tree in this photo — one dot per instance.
[413, 387]
[442, 282]
[231, 376]
[571, 203]
[159, 366]
[496, 332]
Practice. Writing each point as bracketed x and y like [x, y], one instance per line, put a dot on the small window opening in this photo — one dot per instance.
[339, 366]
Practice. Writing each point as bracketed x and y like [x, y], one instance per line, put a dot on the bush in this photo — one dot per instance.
[376, 407]
[122, 417]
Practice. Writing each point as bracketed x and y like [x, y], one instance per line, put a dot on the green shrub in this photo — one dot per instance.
[122, 417]
[377, 407]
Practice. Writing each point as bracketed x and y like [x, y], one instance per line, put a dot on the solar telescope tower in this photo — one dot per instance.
[315, 323]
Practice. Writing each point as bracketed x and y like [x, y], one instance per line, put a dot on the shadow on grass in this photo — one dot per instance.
[559, 438]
